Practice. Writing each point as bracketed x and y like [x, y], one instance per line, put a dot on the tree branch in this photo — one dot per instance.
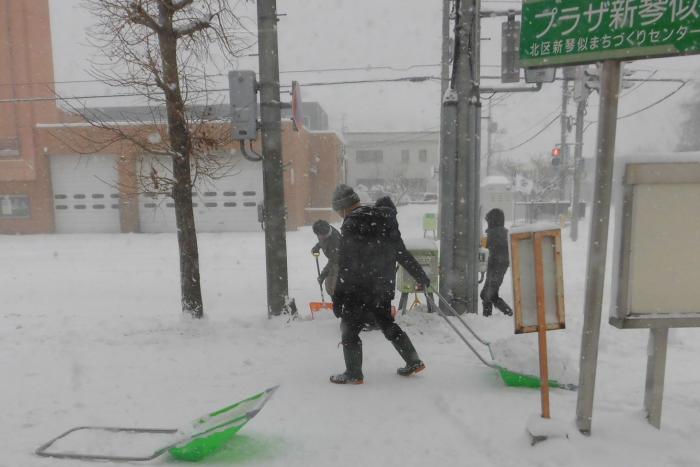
[138, 15]
[194, 26]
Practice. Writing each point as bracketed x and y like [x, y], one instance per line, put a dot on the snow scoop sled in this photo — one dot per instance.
[510, 378]
[199, 439]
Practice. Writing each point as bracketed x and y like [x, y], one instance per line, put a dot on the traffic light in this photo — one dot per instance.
[556, 155]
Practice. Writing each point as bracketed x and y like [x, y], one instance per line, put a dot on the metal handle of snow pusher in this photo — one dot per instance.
[456, 315]
[459, 333]
[318, 269]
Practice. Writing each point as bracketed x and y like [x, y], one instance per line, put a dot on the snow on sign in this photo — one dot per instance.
[570, 32]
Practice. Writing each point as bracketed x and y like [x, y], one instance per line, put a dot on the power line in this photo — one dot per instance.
[654, 103]
[657, 102]
[532, 137]
[307, 70]
[408, 79]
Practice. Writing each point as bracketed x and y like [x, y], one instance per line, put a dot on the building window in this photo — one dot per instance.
[9, 148]
[14, 206]
[405, 156]
[373, 155]
[423, 155]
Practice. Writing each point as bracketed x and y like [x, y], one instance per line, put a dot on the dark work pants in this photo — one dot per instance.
[494, 279]
[356, 315]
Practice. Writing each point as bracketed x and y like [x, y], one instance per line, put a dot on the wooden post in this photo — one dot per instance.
[541, 325]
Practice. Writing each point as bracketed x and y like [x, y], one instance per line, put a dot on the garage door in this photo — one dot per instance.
[227, 204]
[85, 193]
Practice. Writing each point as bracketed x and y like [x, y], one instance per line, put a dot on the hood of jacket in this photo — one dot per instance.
[495, 218]
[372, 221]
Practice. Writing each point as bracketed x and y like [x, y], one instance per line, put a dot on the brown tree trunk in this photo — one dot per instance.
[191, 293]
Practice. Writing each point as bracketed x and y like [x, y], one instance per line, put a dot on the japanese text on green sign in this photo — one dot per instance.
[580, 31]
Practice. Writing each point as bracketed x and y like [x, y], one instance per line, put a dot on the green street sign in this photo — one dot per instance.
[569, 32]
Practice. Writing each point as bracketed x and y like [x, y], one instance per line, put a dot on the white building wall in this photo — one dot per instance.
[393, 146]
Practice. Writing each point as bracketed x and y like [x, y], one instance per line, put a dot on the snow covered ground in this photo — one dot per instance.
[91, 334]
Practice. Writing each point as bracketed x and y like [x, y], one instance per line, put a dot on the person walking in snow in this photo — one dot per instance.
[498, 263]
[328, 242]
[370, 246]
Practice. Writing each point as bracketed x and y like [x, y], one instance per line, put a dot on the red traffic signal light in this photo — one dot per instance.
[556, 151]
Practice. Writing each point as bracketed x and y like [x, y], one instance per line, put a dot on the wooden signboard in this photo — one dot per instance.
[538, 290]
[537, 278]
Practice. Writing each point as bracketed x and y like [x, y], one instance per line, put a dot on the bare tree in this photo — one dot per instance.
[538, 168]
[160, 48]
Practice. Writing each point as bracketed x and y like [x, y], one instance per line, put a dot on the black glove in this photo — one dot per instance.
[337, 309]
[316, 249]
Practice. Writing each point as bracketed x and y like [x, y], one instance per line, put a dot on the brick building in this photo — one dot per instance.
[55, 178]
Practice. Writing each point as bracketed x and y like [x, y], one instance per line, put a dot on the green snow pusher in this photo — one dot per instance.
[509, 377]
[201, 438]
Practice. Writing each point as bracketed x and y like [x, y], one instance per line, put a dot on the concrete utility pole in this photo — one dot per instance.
[489, 141]
[446, 156]
[598, 242]
[459, 168]
[564, 160]
[578, 151]
[275, 214]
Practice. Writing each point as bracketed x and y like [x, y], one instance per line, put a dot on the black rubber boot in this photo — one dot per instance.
[488, 308]
[404, 346]
[353, 366]
[503, 307]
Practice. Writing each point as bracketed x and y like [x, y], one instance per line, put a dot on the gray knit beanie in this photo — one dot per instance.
[344, 197]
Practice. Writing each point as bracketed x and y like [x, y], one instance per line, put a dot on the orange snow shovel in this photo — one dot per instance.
[315, 307]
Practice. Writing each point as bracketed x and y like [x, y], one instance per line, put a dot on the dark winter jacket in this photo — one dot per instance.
[370, 246]
[497, 241]
[330, 247]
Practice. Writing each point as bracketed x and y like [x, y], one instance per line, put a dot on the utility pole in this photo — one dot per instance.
[460, 219]
[489, 140]
[581, 99]
[275, 215]
[447, 154]
[564, 160]
[597, 242]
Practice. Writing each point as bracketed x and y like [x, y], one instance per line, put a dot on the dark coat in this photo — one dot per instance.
[370, 246]
[330, 247]
[497, 241]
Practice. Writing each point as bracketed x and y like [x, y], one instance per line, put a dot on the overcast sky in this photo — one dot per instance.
[322, 34]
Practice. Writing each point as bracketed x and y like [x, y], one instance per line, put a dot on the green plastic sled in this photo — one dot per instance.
[201, 438]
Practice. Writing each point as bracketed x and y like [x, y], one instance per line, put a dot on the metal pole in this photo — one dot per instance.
[578, 160]
[562, 159]
[597, 243]
[656, 371]
[474, 216]
[273, 182]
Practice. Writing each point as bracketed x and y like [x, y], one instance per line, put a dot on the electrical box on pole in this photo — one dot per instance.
[244, 104]
[510, 50]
